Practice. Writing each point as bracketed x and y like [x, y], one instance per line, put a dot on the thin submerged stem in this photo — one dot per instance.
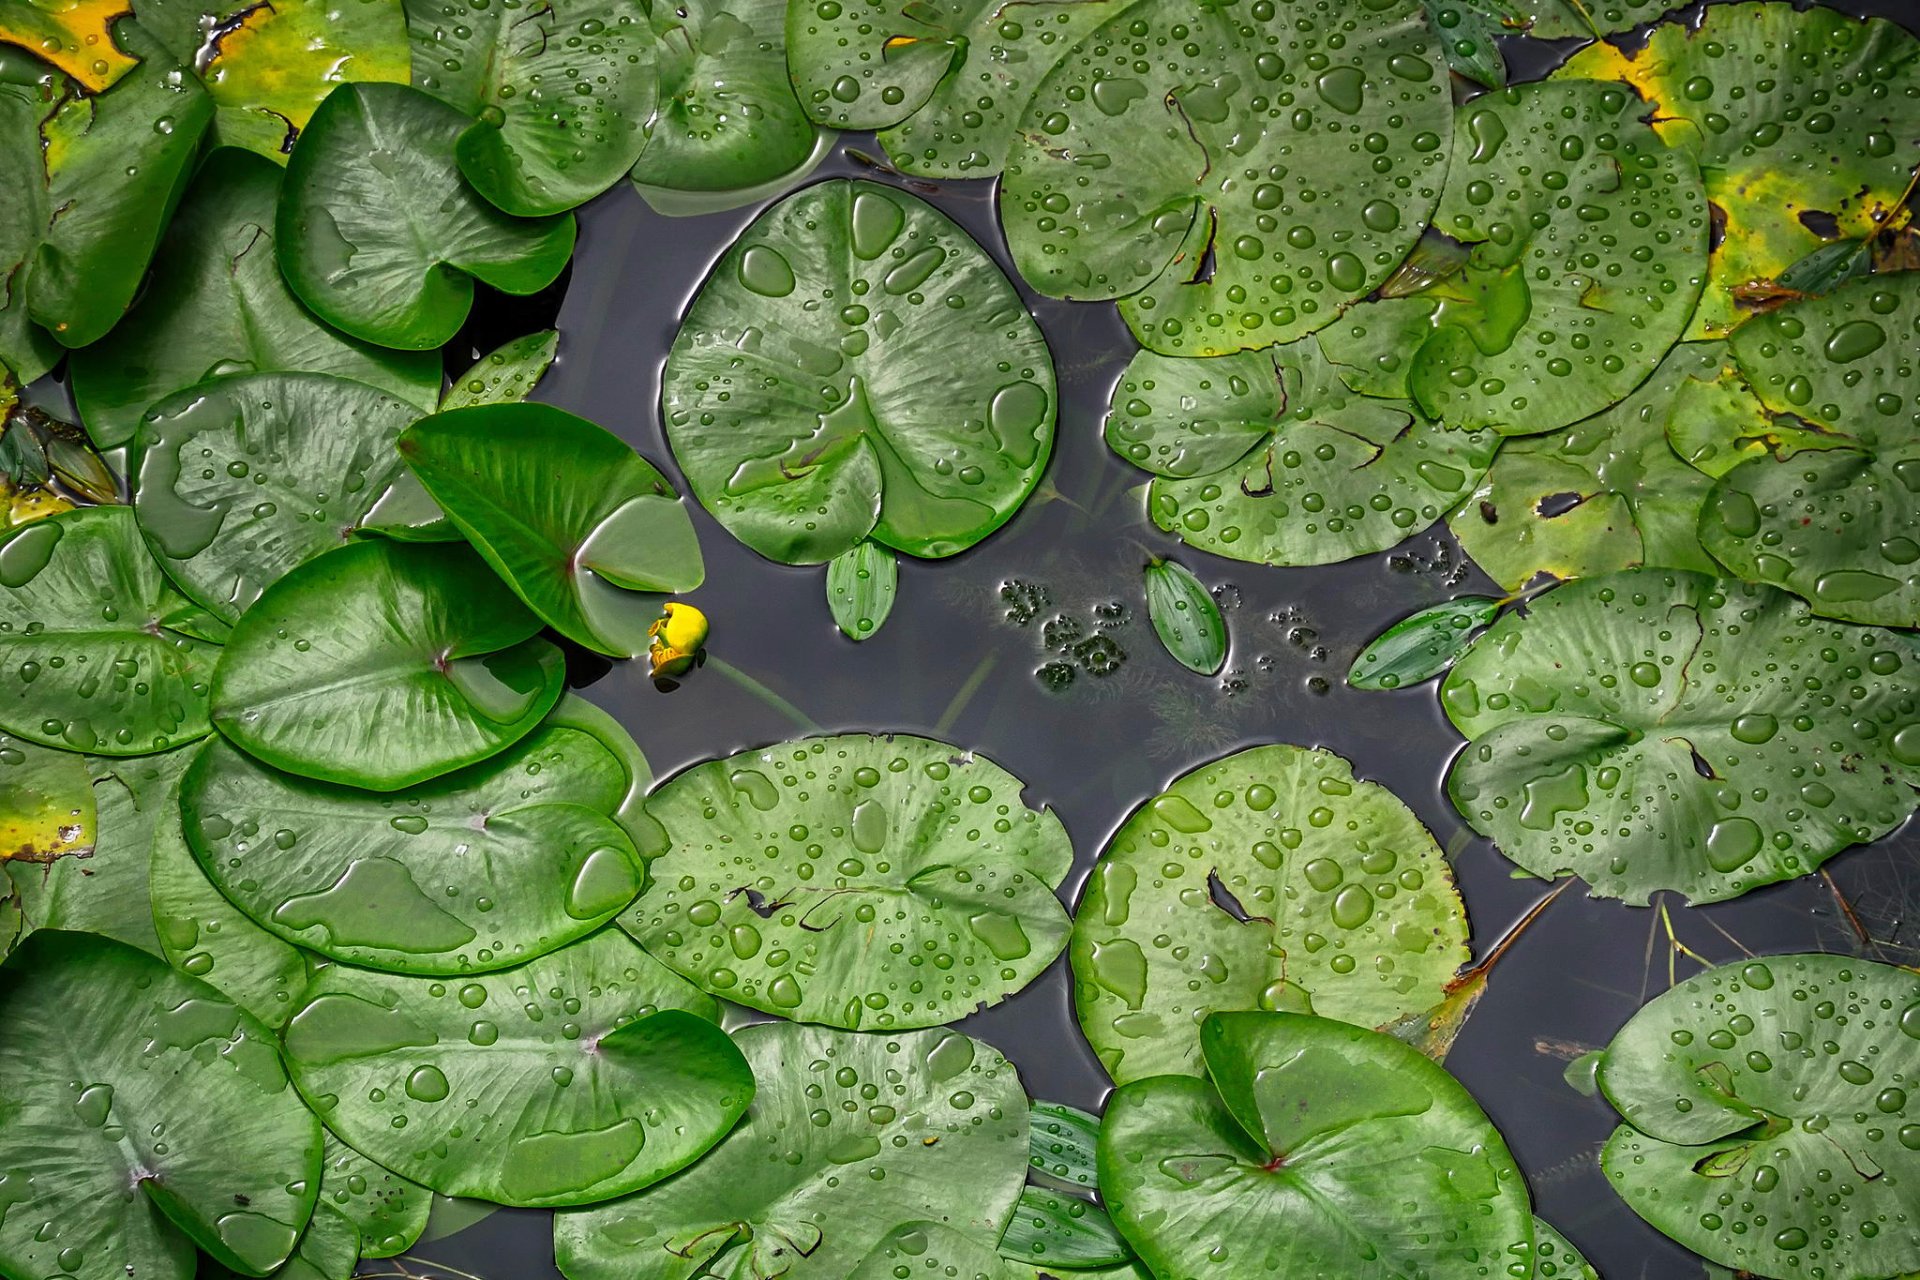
[726, 669]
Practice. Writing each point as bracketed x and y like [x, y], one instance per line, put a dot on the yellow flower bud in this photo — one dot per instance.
[675, 640]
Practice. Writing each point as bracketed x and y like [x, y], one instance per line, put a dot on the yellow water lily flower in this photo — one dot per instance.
[675, 640]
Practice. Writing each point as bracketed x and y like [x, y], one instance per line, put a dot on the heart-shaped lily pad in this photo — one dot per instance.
[1802, 120]
[1769, 1124]
[1267, 456]
[561, 93]
[857, 880]
[1313, 1140]
[84, 615]
[388, 1212]
[849, 1137]
[1272, 879]
[217, 305]
[1236, 175]
[1829, 512]
[586, 1074]
[46, 803]
[583, 529]
[810, 396]
[378, 232]
[166, 1125]
[1586, 240]
[1656, 729]
[384, 664]
[503, 861]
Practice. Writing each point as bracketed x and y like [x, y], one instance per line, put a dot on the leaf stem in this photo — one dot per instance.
[760, 691]
[965, 695]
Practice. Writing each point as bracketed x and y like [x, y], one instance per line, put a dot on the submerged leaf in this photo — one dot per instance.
[1186, 617]
[861, 583]
[46, 803]
[1421, 645]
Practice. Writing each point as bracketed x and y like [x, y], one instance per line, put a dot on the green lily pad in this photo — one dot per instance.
[1768, 1122]
[481, 869]
[601, 1072]
[46, 803]
[83, 623]
[329, 1249]
[1604, 494]
[1580, 19]
[861, 584]
[1468, 31]
[678, 202]
[1235, 176]
[1555, 1258]
[805, 428]
[166, 1125]
[1828, 513]
[387, 1211]
[928, 1248]
[1656, 729]
[1800, 119]
[1716, 422]
[378, 233]
[385, 664]
[559, 94]
[74, 35]
[505, 375]
[1271, 879]
[217, 305]
[1313, 1140]
[849, 1137]
[1267, 456]
[856, 880]
[587, 532]
[1587, 241]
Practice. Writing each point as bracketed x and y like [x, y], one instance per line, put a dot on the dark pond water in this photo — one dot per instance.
[959, 660]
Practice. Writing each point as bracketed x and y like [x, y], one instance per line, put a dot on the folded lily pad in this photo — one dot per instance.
[1828, 511]
[216, 305]
[587, 532]
[1586, 239]
[1655, 729]
[1267, 456]
[380, 235]
[384, 664]
[387, 1211]
[1768, 1121]
[167, 1125]
[46, 803]
[849, 1138]
[857, 880]
[84, 622]
[589, 1073]
[1313, 1140]
[1271, 879]
[1235, 176]
[811, 398]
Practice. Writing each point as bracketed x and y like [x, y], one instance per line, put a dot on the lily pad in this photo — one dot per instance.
[1236, 176]
[1587, 240]
[928, 1248]
[1271, 879]
[217, 305]
[46, 803]
[1267, 456]
[1768, 1122]
[506, 375]
[84, 624]
[385, 664]
[1828, 513]
[1604, 494]
[1313, 1140]
[600, 1073]
[379, 234]
[587, 532]
[1555, 1258]
[811, 398]
[677, 202]
[855, 880]
[387, 1211]
[1468, 31]
[560, 93]
[849, 1137]
[74, 35]
[1656, 729]
[1801, 121]
[187, 1134]
[481, 869]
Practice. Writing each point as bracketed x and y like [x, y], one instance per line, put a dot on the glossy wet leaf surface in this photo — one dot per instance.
[217, 305]
[933, 1249]
[810, 399]
[588, 1073]
[387, 1211]
[1061, 1142]
[1657, 729]
[505, 375]
[1768, 1119]
[74, 35]
[1555, 1258]
[1051, 1228]
[1186, 617]
[1145, 170]
[235, 1166]
[1271, 879]
[380, 235]
[1313, 1139]
[1421, 645]
[46, 803]
[1587, 238]
[384, 664]
[1267, 456]
[849, 1137]
[856, 880]
[587, 532]
[861, 584]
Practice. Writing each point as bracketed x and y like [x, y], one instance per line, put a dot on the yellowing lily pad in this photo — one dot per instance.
[46, 803]
[74, 35]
